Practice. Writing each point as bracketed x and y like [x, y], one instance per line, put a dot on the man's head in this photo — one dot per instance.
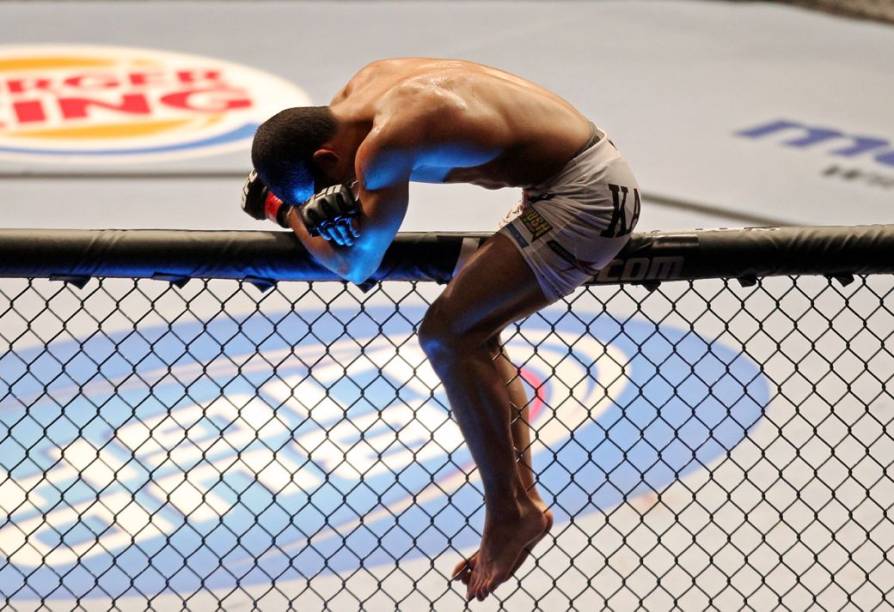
[298, 151]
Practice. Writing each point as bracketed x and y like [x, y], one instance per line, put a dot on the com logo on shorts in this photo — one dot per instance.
[119, 104]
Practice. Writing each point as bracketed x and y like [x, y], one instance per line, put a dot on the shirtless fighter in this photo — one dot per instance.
[447, 121]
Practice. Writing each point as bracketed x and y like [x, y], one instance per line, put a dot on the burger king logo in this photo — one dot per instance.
[118, 104]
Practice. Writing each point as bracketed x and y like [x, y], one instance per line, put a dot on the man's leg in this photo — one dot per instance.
[521, 440]
[521, 424]
[495, 288]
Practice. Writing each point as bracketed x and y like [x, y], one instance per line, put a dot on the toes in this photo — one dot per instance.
[465, 577]
[483, 591]
[476, 588]
[495, 581]
[462, 569]
[483, 587]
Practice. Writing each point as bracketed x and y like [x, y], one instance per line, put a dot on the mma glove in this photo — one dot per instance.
[259, 202]
[329, 213]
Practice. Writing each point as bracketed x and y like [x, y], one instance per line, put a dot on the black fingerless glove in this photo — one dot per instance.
[259, 202]
[328, 207]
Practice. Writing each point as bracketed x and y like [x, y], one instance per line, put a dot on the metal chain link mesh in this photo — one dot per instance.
[214, 447]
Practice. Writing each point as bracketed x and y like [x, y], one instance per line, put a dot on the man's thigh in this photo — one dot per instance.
[494, 288]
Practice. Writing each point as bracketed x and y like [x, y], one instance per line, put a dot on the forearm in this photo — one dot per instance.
[319, 248]
[342, 260]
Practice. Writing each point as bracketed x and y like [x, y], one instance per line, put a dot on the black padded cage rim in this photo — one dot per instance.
[265, 257]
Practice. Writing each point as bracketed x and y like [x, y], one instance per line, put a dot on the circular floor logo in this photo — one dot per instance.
[120, 104]
[210, 454]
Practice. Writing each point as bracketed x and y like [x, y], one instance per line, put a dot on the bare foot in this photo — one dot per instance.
[505, 537]
[463, 569]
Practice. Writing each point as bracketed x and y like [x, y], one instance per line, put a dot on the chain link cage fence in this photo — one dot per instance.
[220, 444]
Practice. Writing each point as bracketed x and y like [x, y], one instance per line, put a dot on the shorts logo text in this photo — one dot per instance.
[534, 221]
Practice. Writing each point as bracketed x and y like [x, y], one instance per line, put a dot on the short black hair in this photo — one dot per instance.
[283, 148]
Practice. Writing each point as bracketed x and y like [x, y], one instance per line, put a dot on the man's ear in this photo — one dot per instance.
[326, 160]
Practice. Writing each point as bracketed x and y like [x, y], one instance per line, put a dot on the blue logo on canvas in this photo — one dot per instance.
[829, 140]
[206, 455]
[119, 104]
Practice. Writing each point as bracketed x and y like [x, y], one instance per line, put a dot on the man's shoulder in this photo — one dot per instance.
[389, 68]
[417, 99]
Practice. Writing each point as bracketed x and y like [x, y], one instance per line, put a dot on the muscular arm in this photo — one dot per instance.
[383, 171]
[383, 212]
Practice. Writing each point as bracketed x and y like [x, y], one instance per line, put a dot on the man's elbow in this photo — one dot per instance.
[356, 276]
[363, 259]
[360, 271]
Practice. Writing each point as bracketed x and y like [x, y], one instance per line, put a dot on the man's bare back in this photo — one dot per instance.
[474, 124]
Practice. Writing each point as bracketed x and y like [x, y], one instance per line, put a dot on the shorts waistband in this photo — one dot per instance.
[595, 136]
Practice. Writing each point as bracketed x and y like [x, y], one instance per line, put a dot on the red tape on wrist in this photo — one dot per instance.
[271, 206]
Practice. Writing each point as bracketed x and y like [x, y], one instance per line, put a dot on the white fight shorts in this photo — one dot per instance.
[574, 223]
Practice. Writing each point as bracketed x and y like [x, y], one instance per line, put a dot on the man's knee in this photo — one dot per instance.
[444, 336]
[493, 345]
[437, 333]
